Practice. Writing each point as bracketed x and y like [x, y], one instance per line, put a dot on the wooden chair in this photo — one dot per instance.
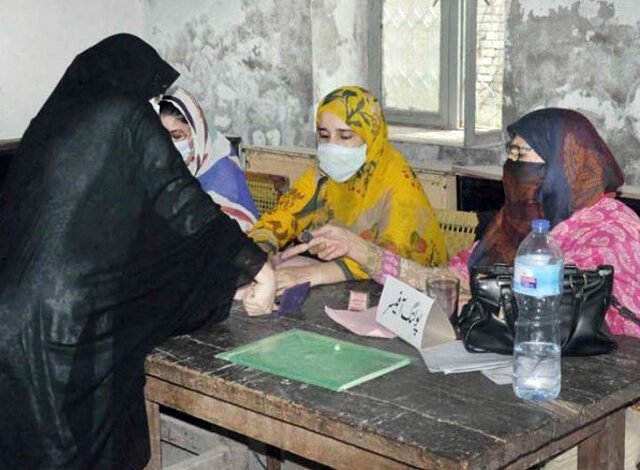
[266, 189]
[459, 228]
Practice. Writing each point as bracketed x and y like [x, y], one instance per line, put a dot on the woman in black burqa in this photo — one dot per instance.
[108, 246]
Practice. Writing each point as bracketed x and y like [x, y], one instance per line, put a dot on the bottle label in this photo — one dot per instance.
[537, 280]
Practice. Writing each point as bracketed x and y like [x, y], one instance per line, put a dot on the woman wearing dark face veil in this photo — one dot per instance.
[108, 247]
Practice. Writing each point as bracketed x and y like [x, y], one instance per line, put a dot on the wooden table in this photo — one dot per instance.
[408, 418]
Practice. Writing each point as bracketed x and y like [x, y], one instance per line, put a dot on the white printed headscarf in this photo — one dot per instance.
[214, 163]
[209, 145]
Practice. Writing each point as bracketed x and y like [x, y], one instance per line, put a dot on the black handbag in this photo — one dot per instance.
[487, 321]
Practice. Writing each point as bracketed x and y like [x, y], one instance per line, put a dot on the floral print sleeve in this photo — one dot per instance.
[277, 228]
[460, 261]
[607, 233]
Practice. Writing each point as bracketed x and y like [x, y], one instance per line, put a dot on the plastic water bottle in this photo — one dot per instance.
[537, 286]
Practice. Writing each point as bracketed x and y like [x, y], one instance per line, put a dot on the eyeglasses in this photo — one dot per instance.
[519, 150]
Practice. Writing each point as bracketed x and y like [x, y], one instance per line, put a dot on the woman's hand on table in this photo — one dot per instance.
[260, 295]
[315, 274]
[289, 277]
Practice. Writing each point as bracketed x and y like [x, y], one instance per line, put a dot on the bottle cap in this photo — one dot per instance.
[540, 224]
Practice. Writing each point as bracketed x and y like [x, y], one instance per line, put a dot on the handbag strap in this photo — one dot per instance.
[624, 311]
[505, 303]
[472, 315]
[577, 302]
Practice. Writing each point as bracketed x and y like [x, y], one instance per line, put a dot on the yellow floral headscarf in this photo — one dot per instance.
[383, 202]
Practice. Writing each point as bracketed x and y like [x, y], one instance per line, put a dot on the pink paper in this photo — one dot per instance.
[362, 323]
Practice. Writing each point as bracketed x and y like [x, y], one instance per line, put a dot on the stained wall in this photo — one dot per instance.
[260, 66]
[248, 62]
[583, 55]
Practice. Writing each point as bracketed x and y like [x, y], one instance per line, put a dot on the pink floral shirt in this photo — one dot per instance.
[606, 233]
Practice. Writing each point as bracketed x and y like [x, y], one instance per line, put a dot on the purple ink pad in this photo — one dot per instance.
[292, 299]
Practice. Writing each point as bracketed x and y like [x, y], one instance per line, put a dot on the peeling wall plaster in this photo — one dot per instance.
[583, 55]
[627, 11]
[339, 40]
[261, 71]
[423, 155]
[248, 62]
[260, 67]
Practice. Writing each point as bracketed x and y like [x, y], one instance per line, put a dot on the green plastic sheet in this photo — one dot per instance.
[316, 359]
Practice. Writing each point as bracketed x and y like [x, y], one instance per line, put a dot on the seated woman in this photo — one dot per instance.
[560, 169]
[210, 158]
[364, 184]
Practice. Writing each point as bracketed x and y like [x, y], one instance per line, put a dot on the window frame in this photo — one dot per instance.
[457, 94]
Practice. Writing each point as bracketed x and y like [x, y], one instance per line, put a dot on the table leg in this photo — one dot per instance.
[153, 418]
[274, 458]
[604, 449]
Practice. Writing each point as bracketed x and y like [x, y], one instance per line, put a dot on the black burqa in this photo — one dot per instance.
[108, 247]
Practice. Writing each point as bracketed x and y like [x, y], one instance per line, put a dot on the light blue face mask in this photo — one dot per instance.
[184, 147]
[341, 163]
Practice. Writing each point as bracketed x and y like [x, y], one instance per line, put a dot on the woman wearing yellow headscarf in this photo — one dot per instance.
[362, 183]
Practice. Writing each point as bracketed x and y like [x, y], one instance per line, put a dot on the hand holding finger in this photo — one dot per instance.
[314, 250]
[283, 281]
[289, 277]
[329, 230]
[329, 249]
[260, 295]
[294, 251]
[331, 253]
[260, 303]
[249, 302]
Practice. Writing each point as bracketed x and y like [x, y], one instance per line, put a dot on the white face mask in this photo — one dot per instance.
[184, 147]
[339, 162]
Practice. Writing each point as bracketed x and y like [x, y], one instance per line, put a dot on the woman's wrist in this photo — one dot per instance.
[361, 252]
[389, 266]
[325, 273]
[367, 255]
[374, 261]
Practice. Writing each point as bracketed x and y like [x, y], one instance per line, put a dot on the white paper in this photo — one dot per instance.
[500, 375]
[418, 320]
[452, 358]
[412, 315]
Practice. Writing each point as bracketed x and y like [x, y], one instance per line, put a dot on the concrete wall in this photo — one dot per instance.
[259, 67]
[583, 55]
[248, 62]
[39, 39]
[339, 41]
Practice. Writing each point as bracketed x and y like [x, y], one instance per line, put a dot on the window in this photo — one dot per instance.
[420, 52]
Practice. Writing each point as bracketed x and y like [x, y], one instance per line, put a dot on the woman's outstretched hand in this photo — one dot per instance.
[329, 242]
[261, 294]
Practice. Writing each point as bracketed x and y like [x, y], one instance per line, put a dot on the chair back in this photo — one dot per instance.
[459, 228]
[266, 189]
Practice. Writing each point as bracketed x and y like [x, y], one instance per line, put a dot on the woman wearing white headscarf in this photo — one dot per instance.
[209, 156]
